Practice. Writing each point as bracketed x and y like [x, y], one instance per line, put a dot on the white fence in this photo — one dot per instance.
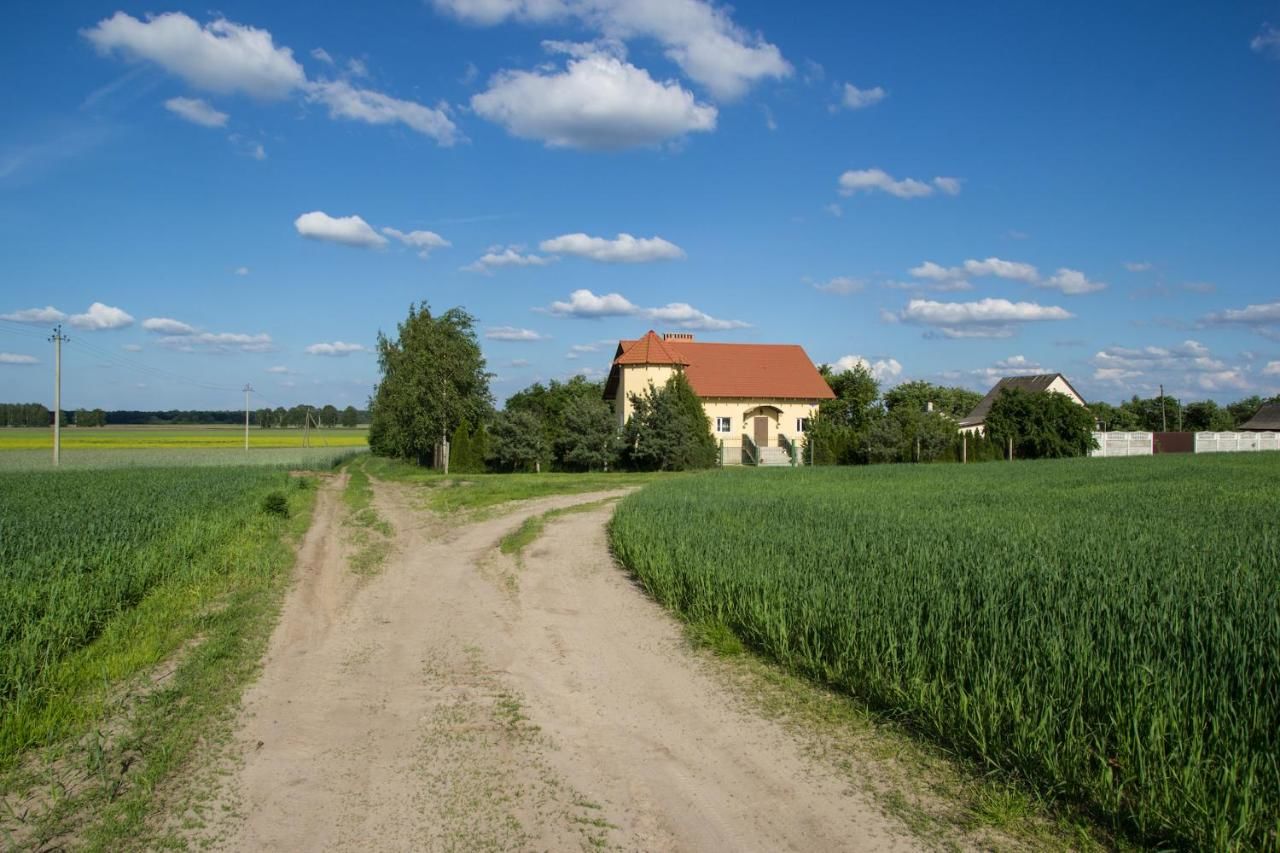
[1236, 442]
[1123, 444]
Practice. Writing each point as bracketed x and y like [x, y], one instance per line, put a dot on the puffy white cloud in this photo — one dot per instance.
[1072, 282]
[1013, 270]
[598, 102]
[1272, 369]
[219, 342]
[35, 316]
[936, 272]
[584, 303]
[623, 249]
[167, 326]
[347, 230]
[347, 101]
[698, 36]
[882, 369]
[873, 180]
[950, 186]
[1016, 365]
[498, 257]
[17, 358]
[985, 318]
[196, 111]
[1261, 314]
[220, 56]
[100, 317]
[337, 349]
[1190, 361]
[1137, 266]
[1266, 42]
[841, 284]
[854, 98]
[511, 333]
[423, 241]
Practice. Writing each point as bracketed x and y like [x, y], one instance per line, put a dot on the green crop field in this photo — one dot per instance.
[83, 553]
[176, 438]
[1107, 631]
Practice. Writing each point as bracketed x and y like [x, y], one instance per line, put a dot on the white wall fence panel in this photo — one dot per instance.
[1236, 442]
[1123, 444]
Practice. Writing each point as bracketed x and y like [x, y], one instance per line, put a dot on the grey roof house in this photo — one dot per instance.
[976, 420]
[1266, 419]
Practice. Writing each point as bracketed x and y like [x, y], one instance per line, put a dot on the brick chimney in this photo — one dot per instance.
[677, 336]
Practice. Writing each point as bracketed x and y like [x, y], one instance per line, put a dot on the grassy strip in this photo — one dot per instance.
[370, 533]
[469, 492]
[134, 706]
[515, 542]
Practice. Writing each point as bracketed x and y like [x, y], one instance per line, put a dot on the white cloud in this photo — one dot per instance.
[511, 333]
[336, 349]
[985, 318]
[347, 101]
[423, 241]
[936, 272]
[347, 230]
[872, 180]
[1272, 369]
[834, 209]
[357, 68]
[17, 358]
[196, 111]
[598, 102]
[219, 342]
[1266, 42]
[1016, 365]
[167, 326]
[242, 270]
[220, 56]
[1137, 266]
[1191, 361]
[100, 317]
[35, 316]
[1012, 270]
[1262, 314]
[882, 370]
[321, 54]
[584, 303]
[248, 147]
[623, 249]
[856, 99]
[1072, 282]
[841, 284]
[498, 257]
[698, 36]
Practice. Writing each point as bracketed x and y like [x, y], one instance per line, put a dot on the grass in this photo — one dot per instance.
[472, 492]
[1106, 631]
[159, 589]
[515, 542]
[370, 532]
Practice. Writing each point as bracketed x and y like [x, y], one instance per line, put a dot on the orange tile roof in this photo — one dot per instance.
[755, 371]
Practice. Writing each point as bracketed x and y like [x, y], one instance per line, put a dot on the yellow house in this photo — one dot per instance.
[759, 398]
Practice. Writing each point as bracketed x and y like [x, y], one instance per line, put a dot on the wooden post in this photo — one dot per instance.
[1010, 448]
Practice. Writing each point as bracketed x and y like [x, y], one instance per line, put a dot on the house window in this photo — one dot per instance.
[722, 425]
[802, 424]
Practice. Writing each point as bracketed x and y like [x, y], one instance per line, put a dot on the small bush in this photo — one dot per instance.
[275, 503]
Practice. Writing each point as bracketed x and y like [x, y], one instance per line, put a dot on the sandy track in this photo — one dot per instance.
[459, 701]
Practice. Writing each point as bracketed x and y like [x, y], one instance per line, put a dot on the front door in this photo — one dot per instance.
[762, 432]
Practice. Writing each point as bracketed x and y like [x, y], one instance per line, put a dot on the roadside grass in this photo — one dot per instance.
[370, 532]
[515, 542]
[945, 799]
[479, 492]
[130, 710]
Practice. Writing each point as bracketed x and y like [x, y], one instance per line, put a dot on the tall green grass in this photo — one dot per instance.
[1106, 630]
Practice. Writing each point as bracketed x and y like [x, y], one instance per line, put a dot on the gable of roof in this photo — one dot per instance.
[1266, 419]
[1034, 384]
[747, 371]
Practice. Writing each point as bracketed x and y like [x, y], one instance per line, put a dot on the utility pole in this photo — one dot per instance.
[1164, 423]
[248, 389]
[57, 337]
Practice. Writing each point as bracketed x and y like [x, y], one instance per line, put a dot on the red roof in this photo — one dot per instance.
[754, 371]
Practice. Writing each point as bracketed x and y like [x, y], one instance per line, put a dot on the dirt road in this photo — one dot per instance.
[463, 700]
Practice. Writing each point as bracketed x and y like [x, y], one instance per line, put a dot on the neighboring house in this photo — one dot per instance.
[768, 393]
[1266, 419]
[977, 419]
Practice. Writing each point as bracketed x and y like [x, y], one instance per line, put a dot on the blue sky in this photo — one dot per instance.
[950, 193]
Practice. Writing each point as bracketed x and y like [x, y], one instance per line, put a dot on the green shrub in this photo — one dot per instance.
[275, 503]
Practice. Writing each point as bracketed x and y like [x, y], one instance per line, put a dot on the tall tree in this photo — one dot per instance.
[952, 400]
[433, 378]
[517, 441]
[590, 437]
[1042, 425]
[350, 417]
[329, 416]
[669, 430]
[856, 393]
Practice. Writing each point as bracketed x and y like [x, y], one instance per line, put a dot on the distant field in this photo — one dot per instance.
[146, 438]
[1108, 630]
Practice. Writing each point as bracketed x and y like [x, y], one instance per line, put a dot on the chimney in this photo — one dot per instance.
[677, 336]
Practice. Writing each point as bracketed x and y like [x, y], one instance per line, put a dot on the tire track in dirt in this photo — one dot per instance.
[457, 701]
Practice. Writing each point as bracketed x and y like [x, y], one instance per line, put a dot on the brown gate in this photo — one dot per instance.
[1173, 442]
[762, 432]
